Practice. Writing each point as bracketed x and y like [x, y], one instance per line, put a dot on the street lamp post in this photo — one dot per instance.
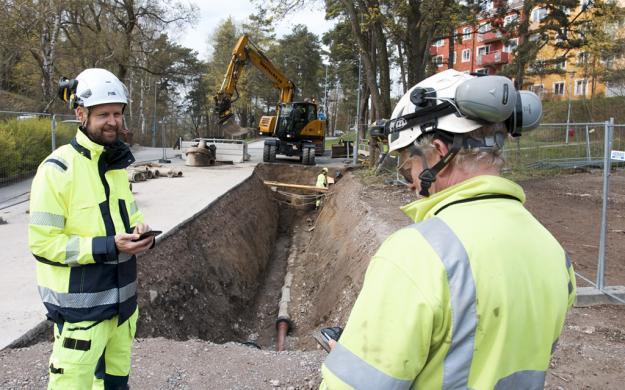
[568, 114]
[163, 160]
[325, 93]
[154, 119]
[355, 154]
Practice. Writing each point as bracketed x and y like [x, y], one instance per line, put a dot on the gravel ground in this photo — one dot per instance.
[195, 364]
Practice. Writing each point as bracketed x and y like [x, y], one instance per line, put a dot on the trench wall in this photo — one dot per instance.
[200, 280]
[348, 231]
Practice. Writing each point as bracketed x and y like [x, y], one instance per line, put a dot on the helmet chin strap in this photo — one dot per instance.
[428, 175]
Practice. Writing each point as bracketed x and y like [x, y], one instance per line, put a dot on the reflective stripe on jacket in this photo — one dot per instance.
[80, 199]
[472, 296]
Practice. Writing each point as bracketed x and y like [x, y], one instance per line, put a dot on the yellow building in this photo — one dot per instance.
[579, 74]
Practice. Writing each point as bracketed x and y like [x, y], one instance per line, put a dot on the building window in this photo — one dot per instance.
[439, 43]
[508, 20]
[466, 55]
[483, 29]
[558, 88]
[439, 60]
[582, 58]
[483, 71]
[511, 45]
[483, 50]
[561, 64]
[538, 14]
[580, 87]
[466, 33]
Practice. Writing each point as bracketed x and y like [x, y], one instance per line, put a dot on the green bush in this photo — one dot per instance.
[25, 143]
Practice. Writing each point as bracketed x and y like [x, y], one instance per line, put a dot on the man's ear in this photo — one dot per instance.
[440, 147]
[81, 115]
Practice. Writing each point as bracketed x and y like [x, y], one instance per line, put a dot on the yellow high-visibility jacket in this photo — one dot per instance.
[322, 181]
[80, 199]
[473, 296]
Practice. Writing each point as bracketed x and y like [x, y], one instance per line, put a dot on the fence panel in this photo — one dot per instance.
[26, 138]
[557, 146]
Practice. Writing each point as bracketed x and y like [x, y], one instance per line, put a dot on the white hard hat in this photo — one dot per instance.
[445, 84]
[99, 86]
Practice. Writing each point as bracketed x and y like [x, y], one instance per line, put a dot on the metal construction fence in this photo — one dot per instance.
[560, 146]
[26, 138]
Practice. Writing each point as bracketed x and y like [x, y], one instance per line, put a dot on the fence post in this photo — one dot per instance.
[587, 145]
[53, 131]
[607, 165]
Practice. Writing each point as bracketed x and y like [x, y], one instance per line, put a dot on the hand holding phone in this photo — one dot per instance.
[323, 337]
[151, 233]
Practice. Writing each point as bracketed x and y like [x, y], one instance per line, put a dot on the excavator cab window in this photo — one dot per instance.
[312, 112]
[294, 117]
[300, 117]
[284, 120]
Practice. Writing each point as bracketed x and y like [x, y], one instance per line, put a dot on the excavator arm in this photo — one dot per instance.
[244, 53]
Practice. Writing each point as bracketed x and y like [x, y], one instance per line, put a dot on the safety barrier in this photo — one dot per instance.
[227, 149]
[363, 147]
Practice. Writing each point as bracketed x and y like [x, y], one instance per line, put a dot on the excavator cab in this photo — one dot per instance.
[298, 132]
[293, 118]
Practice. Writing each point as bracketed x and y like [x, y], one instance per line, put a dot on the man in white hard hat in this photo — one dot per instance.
[84, 233]
[475, 293]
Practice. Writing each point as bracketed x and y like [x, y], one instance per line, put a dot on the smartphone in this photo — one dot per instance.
[323, 336]
[145, 235]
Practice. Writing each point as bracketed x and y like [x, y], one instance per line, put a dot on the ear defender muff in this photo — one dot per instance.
[67, 91]
[488, 98]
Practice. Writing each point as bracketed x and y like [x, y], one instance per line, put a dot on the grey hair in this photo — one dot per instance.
[473, 158]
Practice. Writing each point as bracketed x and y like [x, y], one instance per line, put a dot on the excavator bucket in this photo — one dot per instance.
[225, 118]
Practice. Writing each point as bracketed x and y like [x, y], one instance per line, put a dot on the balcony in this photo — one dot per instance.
[491, 36]
[494, 58]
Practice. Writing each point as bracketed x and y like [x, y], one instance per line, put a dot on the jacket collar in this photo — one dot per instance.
[117, 156]
[86, 147]
[472, 188]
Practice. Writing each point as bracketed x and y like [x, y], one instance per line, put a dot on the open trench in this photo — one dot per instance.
[218, 276]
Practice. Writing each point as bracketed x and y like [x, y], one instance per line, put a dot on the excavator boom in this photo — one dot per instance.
[244, 53]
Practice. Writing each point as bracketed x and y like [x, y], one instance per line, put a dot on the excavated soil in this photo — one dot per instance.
[217, 279]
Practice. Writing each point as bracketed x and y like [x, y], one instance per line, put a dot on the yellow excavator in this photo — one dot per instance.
[295, 130]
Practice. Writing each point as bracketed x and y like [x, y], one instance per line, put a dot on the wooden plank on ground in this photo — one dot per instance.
[290, 185]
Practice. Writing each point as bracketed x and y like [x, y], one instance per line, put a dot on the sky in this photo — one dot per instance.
[213, 12]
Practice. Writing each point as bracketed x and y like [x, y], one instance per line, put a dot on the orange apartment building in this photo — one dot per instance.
[478, 49]
[481, 49]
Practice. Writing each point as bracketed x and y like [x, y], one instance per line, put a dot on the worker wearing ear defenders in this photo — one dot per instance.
[474, 294]
[83, 223]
